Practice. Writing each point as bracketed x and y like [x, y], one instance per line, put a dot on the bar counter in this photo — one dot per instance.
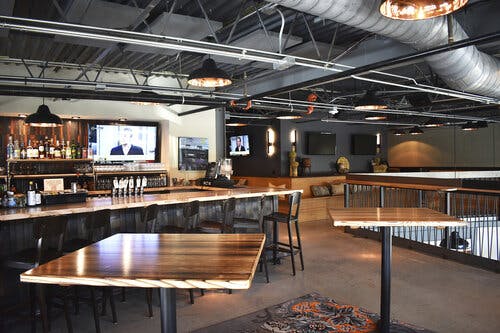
[177, 195]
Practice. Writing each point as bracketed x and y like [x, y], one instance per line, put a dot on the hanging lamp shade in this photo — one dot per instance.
[288, 116]
[209, 76]
[434, 122]
[375, 116]
[419, 9]
[370, 102]
[470, 126]
[415, 131]
[399, 132]
[43, 118]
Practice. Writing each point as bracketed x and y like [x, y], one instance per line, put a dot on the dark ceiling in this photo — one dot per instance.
[236, 21]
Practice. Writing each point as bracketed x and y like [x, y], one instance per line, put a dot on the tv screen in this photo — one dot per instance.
[239, 145]
[123, 142]
[321, 143]
[193, 153]
[364, 144]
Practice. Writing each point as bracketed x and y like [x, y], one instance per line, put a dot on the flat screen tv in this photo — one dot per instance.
[193, 153]
[123, 142]
[239, 145]
[363, 144]
[321, 143]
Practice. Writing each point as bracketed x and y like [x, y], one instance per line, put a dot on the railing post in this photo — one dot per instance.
[420, 198]
[447, 211]
[346, 195]
[382, 196]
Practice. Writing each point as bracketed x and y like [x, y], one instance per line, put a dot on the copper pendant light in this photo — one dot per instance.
[43, 118]
[209, 76]
[415, 131]
[370, 102]
[419, 9]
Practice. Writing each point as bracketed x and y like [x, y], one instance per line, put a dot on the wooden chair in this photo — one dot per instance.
[287, 218]
[45, 229]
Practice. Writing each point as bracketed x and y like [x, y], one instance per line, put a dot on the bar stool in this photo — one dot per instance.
[220, 226]
[190, 217]
[287, 218]
[44, 229]
[96, 222]
[244, 223]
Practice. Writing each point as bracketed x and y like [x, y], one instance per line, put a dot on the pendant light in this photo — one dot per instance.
[375, 116]
[433, 122]
[43, 118]
[209, 76]
[288, 116]
[415, 131]
[370, 102]
[419, 9]
[470, 126]
[399, 132]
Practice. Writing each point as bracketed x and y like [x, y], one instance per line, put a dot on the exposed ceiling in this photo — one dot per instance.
[56, 58]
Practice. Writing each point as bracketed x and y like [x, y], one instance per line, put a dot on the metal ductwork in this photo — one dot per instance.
[465, 69]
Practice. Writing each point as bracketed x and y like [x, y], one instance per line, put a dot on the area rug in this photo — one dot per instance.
[310, 313]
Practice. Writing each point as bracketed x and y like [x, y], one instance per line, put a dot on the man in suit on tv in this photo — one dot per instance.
[239, 146]
[126, 147]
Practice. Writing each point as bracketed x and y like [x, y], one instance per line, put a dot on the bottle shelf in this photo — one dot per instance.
[48, 175]
[122, 173]
[48, 160]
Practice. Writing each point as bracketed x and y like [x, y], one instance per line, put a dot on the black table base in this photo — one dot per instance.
[385, 287]
[168, 310]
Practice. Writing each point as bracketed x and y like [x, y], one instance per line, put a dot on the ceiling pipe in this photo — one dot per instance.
[382, 65]
[465, 69]
[183, 44]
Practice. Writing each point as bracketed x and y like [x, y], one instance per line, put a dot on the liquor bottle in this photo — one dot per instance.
[57, 150]
[52, 148]
[30, 194]
[68, 150]
[78, 151]
[29, 152]
[63, 149]
[46, 147]
[24, 153]
[73, 150]
[38, 195]
[10, 148]
[34, 151]
[17, 150]
[41, 149]
[84, 152]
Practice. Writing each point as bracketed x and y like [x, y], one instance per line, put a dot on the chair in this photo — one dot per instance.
[287, 218]
[244, 223]
[99, 221]
[190, 215]
[44, 230]
[220, 226]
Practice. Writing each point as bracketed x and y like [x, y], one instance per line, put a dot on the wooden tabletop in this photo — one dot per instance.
[158, 260]
[391, 217]
[95, 204]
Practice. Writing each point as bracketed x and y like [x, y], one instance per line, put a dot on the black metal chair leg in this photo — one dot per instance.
[123, 295]
[76, 300]
[95, 310]
[202, 292]
[263, 261]
[299, 243]
[104, 301]
[66, 309]
[149, 301]
[32, 295]
[43, 307]
[191, 296]
[112, 304]
[290, 243]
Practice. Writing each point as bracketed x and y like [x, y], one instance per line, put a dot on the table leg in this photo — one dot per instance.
[385, 297]
[168, 310]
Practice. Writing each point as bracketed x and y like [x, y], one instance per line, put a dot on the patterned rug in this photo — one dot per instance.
[310, 313]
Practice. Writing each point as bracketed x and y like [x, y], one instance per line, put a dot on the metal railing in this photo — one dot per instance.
[478, 240]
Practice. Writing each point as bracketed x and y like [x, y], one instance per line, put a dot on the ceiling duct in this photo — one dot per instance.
[465, 69]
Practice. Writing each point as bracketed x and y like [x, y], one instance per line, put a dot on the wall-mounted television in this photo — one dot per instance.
[363, 144]
[124, 142]
[193, 153]
[321, 143]
[239, 145]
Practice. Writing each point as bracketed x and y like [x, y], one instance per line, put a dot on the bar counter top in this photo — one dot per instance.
[178, 195]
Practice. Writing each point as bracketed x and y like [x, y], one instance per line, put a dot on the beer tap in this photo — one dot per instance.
[131, 186]
[144, 183]
[137, 185]
[115, 191]
[125, 187]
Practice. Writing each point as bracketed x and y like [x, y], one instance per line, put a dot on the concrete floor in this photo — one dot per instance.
[431, 292]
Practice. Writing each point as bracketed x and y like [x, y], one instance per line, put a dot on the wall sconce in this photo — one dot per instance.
[271, 139]
[379, 142]
[293, 138]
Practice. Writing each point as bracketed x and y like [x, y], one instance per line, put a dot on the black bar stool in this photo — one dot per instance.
[244, 223]
[220, 226]
[97, 226]
[288, 219]
[45, 229]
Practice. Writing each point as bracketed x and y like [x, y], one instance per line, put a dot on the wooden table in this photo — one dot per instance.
[165, 261]
[385, 218]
